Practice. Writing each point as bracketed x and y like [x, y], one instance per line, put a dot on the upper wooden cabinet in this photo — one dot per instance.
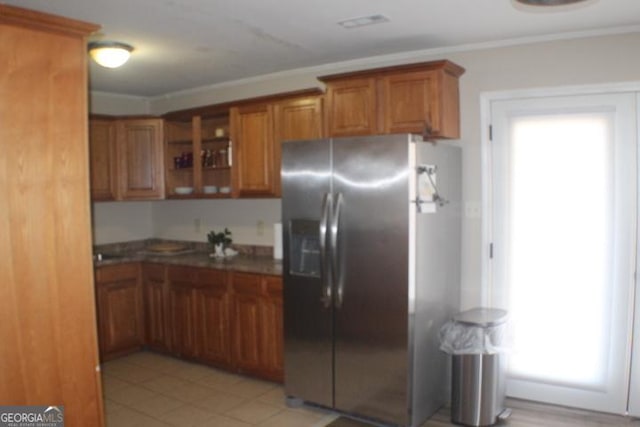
[417, 98]
[252, 145]
[197, 154]
[294, 119]
[140, 159]
[258, 129]
[103, 159]
[126, 158]
[352, 107]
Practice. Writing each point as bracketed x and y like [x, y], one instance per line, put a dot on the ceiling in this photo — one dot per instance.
[185, 44]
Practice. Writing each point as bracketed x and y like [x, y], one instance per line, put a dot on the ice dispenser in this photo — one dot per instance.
[304, 247]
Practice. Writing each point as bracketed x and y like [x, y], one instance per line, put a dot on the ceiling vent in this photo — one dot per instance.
[548, 2]
[362, 21]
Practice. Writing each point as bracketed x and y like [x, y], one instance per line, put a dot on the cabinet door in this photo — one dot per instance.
[212, 318]
[410, 102]
[119, 310]
[246, 322]
[423, 102]
[103, 159]
[272, 341]
[181, 310]
[155, 306]
[252, 145]
[295, 119]
[141, 165]
[352, 107]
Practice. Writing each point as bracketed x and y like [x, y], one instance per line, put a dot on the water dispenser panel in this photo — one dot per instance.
[304, 248]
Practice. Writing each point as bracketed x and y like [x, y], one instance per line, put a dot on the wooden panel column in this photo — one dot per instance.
[49, 347]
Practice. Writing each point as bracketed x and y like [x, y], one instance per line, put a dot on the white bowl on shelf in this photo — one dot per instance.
[225, 190]
[183, 190]
[210, 189]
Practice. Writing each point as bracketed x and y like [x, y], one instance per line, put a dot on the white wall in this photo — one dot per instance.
[179, 219]
[117, 105]
[563, 63]
[603, 59]
[121, 221]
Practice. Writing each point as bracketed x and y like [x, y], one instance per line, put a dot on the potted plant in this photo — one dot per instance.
[220, 241]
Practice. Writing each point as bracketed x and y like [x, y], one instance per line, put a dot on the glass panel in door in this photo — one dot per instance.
[562, 224]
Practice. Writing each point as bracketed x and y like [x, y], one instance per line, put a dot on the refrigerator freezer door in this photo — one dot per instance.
[306, 171]
[371, 189]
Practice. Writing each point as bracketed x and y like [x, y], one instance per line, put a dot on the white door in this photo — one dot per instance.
[634, 384]
[563, 200]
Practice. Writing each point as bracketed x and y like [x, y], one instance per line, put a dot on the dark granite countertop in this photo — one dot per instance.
[248, 259]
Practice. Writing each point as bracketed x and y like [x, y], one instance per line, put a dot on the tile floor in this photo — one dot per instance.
[150, 390]
[147, 389]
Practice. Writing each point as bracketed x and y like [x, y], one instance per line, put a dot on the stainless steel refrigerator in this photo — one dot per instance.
[371, 268]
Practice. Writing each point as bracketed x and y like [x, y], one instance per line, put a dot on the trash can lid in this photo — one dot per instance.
[481, 316]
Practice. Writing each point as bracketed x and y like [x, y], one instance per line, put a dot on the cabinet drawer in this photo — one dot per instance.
[208, 276]
[273, 286]
[155, 272]
[178, 273]
[111, 273]
[247, 283]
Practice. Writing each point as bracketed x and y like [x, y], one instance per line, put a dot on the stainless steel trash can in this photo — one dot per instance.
[478, 368]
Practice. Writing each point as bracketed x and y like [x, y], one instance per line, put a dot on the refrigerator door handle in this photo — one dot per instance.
[324, 259]
[336, 264]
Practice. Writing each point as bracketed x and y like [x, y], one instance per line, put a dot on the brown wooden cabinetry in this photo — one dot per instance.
[257, 324]
[196, 153]
[199, 314]
[352, 107]
[247, 295]
[155, 291]
[212, 317]
[417, 98]
[140, 159]
[253, 161]
[126, 158]
[258, 128]
[230, 320]
[103, 159]
[48, 341]
[272, 351]
[119, 302]
[182, 310]
[294, 119]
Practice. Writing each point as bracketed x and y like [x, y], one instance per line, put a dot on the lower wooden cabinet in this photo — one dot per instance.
[119, 304]
[257, 323]
[212, 317]
[154, 287]
[272, 351]
[226, 319]
[247, 298]
[181, 310]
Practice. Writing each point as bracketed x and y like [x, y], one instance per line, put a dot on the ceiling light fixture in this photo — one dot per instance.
[548, 2]
[110, 54]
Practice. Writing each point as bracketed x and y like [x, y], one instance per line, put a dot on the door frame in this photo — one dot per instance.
[487, 294]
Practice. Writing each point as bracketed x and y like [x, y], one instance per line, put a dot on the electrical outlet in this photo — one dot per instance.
[260, 228]
[197, 223]
[472, 209]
